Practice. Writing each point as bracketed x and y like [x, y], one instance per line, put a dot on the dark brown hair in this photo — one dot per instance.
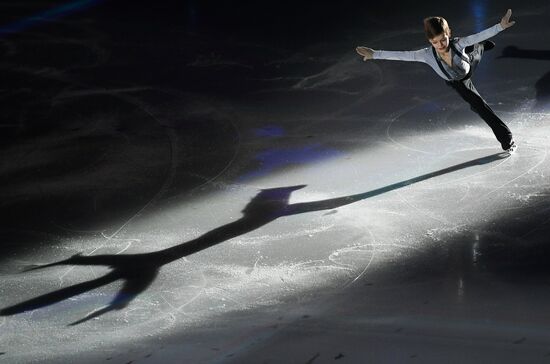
[436, 25]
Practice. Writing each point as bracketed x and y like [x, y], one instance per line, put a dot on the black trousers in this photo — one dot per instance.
[468, 92]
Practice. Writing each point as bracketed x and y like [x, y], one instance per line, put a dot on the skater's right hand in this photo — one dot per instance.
[365, 52]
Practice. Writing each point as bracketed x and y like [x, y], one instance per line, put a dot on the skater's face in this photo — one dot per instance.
[440, 42]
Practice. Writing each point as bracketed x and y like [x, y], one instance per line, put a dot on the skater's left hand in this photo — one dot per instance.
[505, 21]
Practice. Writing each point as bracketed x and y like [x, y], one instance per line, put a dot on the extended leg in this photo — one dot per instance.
[469, 93]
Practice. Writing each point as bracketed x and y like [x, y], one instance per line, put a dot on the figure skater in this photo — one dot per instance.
[454, 60]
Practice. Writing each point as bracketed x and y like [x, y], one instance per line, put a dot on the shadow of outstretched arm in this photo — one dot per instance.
[136, 280]
[58, 296]
[131, 288]
[138, 271]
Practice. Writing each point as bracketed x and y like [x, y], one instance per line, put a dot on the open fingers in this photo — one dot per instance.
[508, 14]
[505, 22]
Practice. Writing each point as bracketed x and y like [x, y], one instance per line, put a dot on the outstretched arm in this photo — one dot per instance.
[412, 56]
[504, 23]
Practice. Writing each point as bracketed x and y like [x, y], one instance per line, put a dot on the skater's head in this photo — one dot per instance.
[438, 32]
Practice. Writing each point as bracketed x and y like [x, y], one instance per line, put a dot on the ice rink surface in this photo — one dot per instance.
[194, 182]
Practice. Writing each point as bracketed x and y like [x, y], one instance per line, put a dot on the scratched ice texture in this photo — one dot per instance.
[220, 183]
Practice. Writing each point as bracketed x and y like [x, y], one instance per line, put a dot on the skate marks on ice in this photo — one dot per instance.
[139, 271]
[69, 94]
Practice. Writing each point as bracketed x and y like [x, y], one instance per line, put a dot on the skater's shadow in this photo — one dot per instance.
[138, 271]
[515, 52]
[542, 86]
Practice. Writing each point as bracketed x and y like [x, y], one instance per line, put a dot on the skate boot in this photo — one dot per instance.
[487, 46]
[511, 148]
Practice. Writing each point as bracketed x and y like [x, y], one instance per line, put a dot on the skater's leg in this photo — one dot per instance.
[475, 52]
[469, 93]
[484, 46]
